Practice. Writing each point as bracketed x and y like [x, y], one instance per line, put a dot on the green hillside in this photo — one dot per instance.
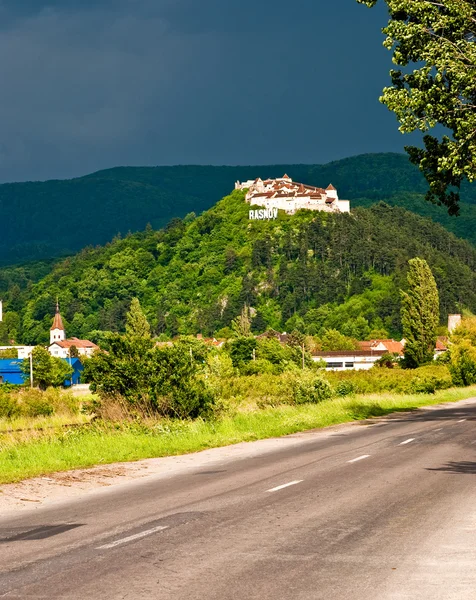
[311, 271]
[41, 220]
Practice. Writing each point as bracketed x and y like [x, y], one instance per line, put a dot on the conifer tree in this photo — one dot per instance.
[136, 321]
[420, 314]
[242, 324]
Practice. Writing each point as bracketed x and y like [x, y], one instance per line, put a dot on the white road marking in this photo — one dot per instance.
[461, 420]
[132, 538]
[285, 485]
[359, 458]
[406, 442]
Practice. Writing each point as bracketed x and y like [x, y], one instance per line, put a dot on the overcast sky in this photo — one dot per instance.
[90, 84]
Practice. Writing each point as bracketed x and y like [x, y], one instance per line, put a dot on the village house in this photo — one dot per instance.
[364, 358]
[285, 194]
[22, 351]
[343, 360]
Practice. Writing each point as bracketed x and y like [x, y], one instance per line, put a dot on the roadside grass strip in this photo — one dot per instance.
[102, 442]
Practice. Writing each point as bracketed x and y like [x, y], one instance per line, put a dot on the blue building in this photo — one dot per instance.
[78, 368]
[10, 371]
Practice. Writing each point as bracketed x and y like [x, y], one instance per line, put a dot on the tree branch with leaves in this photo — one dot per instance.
[438, 39]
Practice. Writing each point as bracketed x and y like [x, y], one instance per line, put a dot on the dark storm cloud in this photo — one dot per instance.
[92, 84]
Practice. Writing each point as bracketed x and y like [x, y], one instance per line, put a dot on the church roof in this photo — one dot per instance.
[58, 321]
[75, 342]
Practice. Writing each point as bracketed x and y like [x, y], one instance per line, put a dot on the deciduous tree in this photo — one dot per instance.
[47, 370]
[436, 37]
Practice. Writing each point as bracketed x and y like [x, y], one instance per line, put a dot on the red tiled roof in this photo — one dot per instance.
[441, 343]
[366, 345]
[330, 188]
[335, 353]
[285, 187]
[77, 343]
[57, 322]
[393, 346]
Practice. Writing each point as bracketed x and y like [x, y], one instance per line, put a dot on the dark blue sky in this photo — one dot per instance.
[89, 84]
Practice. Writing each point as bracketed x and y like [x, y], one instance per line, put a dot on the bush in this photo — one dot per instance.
[37, 407]
[259, 367]
[462, 363]
[312, 389]
[162, 380]
[220, 365]
[37, 403]
[241, 350]
[191, 399]
[345, 388]
[8, 406]
[399, 381]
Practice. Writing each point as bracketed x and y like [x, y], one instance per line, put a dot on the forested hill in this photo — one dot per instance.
[41, 220]
[310, 271]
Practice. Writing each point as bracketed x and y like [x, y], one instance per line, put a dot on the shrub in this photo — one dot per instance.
[258, 367]
[8, 406]
[345, 388]
[396, 380]
[241, 350]
[312, 389]
[220, 365]
[165, 380]
[37, 407]
[37, 403]
[462, 363]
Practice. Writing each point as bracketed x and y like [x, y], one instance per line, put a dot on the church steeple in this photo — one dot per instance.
[57, 332]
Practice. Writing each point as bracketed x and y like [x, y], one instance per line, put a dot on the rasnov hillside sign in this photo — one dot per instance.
[263, 213]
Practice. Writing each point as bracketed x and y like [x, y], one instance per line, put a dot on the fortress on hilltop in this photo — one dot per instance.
[286, 194]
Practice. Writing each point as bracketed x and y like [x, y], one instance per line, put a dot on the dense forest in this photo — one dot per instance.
[41, 220]
[310, 272]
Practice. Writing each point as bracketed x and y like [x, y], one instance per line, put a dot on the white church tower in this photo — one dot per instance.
[57, 332]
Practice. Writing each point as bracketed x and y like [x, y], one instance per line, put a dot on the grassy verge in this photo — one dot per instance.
[102, 443]
[29, 424]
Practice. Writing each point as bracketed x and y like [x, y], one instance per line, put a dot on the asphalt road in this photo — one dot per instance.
[386, 511]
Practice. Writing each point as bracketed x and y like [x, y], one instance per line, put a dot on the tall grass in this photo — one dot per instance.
[106, 442]
[27, 402]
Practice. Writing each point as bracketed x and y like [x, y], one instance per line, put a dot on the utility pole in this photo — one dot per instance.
[70, 366]
[31, 368]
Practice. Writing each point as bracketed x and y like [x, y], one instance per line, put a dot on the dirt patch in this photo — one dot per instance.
[43, 490]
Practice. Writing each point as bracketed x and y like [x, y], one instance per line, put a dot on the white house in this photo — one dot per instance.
[23, 351]
[285, 194]
[346, 360]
